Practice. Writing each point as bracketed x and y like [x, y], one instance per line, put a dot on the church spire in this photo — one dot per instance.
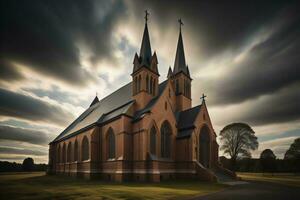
[180, 64]
[145, 51]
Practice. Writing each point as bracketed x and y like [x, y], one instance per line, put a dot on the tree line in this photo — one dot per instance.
[27, 166]
[238, 140]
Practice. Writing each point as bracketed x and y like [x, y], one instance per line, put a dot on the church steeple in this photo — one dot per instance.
[180, 63]
[180, 77]
[145, 72]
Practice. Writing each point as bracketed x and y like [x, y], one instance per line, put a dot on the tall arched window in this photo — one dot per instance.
[85, 149]
[166, 133]
[151, 82]
[58, 158]
[177, 86]
[64, 153]
[135, 85]
[153, 140]
[76, 151]
[139, 84]
[147, 83]
[153, 88]
[111, 144]
[69, 152]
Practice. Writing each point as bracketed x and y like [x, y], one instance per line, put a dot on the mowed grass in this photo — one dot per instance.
[40, 186]
[282, 178]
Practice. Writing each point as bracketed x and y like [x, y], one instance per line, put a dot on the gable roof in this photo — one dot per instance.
[185, 121]
[107, 108]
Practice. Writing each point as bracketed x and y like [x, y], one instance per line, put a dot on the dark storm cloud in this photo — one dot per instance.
[282, 107]
[270, 66]
[29, 108]
[8, 71]
[23, 135]
[9, 150]
[216, 26]
[43, 34]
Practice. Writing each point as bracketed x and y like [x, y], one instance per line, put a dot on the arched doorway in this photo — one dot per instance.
[204, 150]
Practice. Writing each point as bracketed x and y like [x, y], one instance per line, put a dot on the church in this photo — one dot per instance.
[147, 130]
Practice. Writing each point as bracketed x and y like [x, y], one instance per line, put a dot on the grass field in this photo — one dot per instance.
[282, 178]
[39, 186]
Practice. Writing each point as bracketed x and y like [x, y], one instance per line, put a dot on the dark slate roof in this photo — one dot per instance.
[106, 109]
[180, 64]
[145, 51]
[96, 100]
[185, 121]
[140, 113]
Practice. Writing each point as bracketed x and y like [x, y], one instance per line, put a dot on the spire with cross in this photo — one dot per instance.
[180, 24]
[203, 98]
[146, 16]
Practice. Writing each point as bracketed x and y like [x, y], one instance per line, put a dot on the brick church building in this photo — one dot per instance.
[146, 130]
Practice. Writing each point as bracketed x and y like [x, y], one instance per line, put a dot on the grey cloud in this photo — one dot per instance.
[9, 150]
[8, 71]
[29, 108]
[23, 135]
[43, 35]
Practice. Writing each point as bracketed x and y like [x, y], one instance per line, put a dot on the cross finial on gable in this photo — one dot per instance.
[146, 16]
[203, 97]
[180, 24]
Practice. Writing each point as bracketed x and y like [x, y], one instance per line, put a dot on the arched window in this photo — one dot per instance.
[166, 133]
[64, 153]
[111, 144]
[69, 152]
[135, 85]
[76, 151]
[177, 86]
[153, 140]
[139, 84]
[147, 83]
[153, 89]
[151, 85]
[58, 155]
[85, 149]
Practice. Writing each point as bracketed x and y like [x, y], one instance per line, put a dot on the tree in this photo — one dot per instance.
[237, 140]
[28, 164]
[292, 156]
[268, 160]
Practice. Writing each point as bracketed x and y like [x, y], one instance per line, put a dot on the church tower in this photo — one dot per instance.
[145, 73]
[180, 77]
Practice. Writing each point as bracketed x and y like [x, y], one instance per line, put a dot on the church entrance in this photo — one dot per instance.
[204, 150]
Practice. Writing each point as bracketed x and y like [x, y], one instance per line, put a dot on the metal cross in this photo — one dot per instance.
[203, 97]
[180, 23]
[146, 15]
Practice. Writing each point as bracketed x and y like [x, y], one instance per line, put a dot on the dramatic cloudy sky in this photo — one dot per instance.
[55, 55]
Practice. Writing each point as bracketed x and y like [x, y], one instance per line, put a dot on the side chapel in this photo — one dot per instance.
[146, 130]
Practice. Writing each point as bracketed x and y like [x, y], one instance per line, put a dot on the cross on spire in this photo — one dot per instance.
[180, 24]
[146, 16]
[203, 97]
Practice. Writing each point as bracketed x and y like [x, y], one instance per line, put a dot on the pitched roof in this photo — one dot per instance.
[180, 64]
[96, 100]
[185, 121]
[145, 51]
[107, 108]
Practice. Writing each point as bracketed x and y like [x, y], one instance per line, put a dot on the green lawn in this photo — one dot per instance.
[40, 186]
[282, 178]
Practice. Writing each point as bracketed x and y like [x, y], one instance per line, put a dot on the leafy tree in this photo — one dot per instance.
[28, 164]
[292, 156]
[268, 160]
[237, 140]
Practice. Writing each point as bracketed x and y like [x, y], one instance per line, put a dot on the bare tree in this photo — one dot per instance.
[237, 140]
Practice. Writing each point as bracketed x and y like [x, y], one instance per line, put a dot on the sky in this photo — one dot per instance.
[56, 55]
